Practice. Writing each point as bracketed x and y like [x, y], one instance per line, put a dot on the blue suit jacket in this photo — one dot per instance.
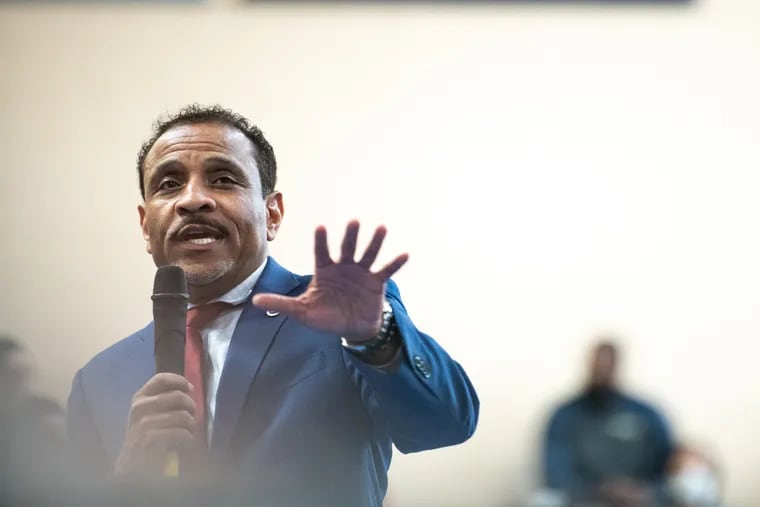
[299, 420]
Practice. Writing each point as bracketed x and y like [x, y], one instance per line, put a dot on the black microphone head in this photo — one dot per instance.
[170, 281]
[169, 314]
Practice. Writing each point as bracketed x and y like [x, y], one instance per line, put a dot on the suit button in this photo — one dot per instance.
[423, 367]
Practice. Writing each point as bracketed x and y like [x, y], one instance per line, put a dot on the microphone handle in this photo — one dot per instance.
[169, 320]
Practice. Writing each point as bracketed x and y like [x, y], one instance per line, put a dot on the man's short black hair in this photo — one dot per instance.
[263, 153]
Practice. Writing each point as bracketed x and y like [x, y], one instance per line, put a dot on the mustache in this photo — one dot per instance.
[176, 230]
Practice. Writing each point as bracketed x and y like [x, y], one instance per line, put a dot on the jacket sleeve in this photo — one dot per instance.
[426, 400]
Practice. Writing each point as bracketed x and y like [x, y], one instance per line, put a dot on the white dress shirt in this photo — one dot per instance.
[217, 336]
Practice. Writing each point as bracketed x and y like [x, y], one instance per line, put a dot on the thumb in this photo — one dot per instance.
[278, 303]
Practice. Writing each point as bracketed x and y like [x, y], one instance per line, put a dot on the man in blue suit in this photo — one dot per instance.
[306, 381]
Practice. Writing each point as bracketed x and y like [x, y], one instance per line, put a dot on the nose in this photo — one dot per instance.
[194, 198]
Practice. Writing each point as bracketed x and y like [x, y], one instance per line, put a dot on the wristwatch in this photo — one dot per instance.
[387, 339]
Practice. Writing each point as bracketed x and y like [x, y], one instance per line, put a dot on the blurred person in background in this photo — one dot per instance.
[38, 473]
[32, 429]
[693, 479]
[604, 445]
[15, 374]
[15, 371]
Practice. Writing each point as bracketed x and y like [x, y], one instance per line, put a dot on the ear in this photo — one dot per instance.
[275, 212]
[144, 227]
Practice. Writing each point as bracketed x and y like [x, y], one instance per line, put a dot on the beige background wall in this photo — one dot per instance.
[554, 173]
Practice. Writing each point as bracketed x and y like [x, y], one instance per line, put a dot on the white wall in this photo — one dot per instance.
[554, 172]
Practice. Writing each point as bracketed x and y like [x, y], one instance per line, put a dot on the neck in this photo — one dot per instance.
[600, 395]
[200, 294]
[206, 292]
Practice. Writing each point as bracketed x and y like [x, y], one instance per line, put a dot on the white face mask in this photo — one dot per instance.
[695, 486]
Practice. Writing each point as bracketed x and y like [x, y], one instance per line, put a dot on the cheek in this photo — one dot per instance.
[156, 227]
[152, 230]
[253, 222]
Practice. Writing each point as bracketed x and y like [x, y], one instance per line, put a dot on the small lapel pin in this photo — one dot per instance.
[270, 313]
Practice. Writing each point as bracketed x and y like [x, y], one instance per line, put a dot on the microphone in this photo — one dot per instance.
[169, 320]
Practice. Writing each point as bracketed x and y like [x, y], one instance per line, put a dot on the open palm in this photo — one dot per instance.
[344, 297]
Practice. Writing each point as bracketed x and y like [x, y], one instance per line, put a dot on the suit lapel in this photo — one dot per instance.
[145, 361]
[251, 341]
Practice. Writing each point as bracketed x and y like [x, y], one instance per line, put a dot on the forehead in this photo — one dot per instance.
[199, 139]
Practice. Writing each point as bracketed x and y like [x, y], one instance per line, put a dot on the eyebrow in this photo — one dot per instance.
[217, 160]
[210, 164]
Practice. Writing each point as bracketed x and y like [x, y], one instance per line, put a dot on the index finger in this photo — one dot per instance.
[321, 252]
[163, 383]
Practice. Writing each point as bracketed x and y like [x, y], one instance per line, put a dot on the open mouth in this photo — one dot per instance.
[199, 235]
[203, 240]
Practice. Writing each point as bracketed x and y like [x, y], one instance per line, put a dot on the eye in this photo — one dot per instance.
[168, 184]
[225, 180]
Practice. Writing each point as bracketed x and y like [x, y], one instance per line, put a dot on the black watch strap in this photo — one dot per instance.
[378, 349]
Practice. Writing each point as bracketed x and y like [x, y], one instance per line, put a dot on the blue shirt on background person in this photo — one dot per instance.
[604, 445]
